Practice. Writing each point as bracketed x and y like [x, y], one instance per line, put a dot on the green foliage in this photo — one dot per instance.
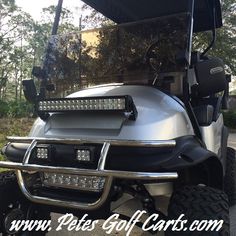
[233, 92]
[14, 127]
[225, 46]
[15, 109]
[230, 119]
[23, 42]
[94, 19]
[3, 108]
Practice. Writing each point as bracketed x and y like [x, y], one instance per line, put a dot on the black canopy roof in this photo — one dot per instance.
[123, 11]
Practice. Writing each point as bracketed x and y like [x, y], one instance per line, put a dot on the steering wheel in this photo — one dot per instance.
[152, 56]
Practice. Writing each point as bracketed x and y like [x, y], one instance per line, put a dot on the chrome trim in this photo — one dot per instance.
[60, 203]
[103, 156]
[104, 173]
[100, 171]
[109, 174]
[130, 143]
[29, 151]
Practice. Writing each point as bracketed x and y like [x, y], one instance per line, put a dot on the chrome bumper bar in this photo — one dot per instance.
[89, 172]
[113, 142]
[100, 171]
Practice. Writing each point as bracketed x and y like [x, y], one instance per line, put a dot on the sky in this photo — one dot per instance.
[34, 8]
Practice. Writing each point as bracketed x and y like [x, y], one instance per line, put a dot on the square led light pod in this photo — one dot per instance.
[43, 152]
[84, 154]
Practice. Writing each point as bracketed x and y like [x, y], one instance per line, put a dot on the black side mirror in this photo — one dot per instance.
[30, 91]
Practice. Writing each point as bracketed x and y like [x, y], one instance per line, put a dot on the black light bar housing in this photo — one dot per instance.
[123, 104]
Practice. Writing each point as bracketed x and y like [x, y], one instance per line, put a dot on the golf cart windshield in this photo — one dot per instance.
[128, 53]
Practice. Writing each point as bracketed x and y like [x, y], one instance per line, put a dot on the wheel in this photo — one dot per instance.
[199, 203]
[13, 205]
[230, 176]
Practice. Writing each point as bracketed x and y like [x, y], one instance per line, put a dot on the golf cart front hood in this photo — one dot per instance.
[160, 117]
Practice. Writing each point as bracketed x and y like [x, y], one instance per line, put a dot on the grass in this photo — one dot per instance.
[13, 127]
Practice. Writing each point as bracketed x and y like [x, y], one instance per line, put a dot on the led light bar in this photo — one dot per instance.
[115, 103]
[84, 183]
[82, 104]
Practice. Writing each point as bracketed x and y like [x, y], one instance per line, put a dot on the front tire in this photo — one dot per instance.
[199, 203]
[230, 176]
[12, 200]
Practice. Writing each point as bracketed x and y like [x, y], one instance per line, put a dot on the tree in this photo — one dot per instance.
[41, 41]
[23, 43]
[225, 46]
[42, 30]
[94, 19]
[15, 28]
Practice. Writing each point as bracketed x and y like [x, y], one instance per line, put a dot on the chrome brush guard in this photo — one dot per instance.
[100, 171]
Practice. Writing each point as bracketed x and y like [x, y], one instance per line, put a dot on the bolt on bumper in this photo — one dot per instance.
[100, 171]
